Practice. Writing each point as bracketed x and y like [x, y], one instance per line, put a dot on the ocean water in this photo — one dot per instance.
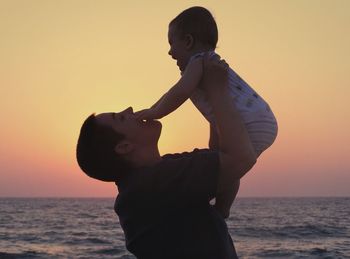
[89, 228]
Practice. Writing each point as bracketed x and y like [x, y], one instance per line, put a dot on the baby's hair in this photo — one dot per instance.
[198, 22]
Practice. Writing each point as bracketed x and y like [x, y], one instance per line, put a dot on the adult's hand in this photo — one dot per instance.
[215, 76]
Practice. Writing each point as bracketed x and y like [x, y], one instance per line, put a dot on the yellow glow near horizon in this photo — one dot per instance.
[61, 60]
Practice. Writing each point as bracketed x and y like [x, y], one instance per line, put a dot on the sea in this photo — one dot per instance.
[89, 228]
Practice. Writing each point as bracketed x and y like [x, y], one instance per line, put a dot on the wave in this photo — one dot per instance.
[23, 255]
[88, 228]
[298, 231]
[110, 251]
[87, 241]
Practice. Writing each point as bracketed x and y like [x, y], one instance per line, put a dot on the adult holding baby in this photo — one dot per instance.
[163, 201]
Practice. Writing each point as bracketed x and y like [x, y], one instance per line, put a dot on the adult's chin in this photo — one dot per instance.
[154, 130]
[159, 129]
[179, 66]
[153, 124]
[158, 124]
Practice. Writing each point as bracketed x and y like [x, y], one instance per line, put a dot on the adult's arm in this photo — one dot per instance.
[225, 201]
[213, 137]
[236, 153]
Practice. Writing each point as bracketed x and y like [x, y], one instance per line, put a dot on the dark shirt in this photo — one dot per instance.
[165, 213]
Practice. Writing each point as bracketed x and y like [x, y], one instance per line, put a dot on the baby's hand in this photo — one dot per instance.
[147, 114]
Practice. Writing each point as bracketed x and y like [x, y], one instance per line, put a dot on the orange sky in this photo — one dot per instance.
[62, 60]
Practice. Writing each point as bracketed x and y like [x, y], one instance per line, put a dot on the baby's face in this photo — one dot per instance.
[179, 49]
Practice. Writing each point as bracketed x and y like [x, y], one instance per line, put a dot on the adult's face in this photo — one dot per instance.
[135, 131]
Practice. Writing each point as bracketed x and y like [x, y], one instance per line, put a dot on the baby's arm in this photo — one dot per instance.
[178, 94]
[160, 99]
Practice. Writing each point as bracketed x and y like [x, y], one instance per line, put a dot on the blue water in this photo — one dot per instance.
[89, 228]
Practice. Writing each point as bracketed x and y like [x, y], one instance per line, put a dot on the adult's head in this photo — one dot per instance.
[110, 144]
[192, 30]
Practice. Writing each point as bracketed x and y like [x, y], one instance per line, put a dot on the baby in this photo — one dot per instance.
[193, 34]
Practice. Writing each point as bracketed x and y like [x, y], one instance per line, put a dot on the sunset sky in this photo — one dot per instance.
[60, 61]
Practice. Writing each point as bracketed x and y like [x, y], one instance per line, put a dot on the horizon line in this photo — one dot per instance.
[113, 197]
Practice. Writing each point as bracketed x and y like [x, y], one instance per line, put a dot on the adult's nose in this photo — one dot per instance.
[169, 53]
[128, 111]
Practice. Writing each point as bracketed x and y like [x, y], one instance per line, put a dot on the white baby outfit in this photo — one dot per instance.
[259, 120]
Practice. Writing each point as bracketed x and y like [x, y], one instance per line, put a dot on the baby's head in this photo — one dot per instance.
[192, 31]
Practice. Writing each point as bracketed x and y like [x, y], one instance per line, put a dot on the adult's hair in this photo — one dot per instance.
[95, 151]
[198, 22]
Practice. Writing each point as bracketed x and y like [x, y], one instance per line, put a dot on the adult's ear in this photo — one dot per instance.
[123, 147]
[189, 41]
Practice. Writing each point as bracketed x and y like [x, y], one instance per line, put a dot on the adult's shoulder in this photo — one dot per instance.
[196, 161]
[193, 153]
[193, 174]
